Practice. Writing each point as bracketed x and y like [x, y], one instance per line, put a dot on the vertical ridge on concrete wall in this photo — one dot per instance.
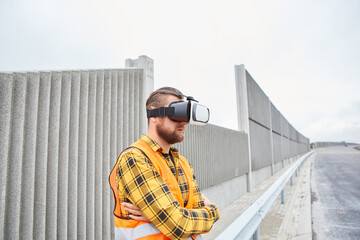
[28, 165]
[52, 158]
[106, 157]
[62, 132]
[90, 161]
[63, 161]
[13, 187]
[83, 156]
[5, 119]
[73, 154]
[42, 140]
[98, 153]
[113, 152]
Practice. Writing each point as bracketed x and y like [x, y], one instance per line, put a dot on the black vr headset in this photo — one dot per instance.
[183, 111]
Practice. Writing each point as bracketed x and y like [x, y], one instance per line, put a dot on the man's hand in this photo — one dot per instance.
[136, 213]
[206, 200]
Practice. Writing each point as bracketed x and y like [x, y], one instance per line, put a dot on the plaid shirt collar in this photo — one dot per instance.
[155, 146]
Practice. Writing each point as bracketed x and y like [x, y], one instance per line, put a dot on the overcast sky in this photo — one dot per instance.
[305, 55]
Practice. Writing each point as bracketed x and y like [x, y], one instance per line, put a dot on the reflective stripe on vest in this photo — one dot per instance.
[143, 231]
[131, 229]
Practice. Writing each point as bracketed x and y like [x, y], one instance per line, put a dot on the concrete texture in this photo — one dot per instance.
[226, 192]
[62, 132]
[260, 175]
[259, 109]
[275, 115]
[261, 150]
[147, 64]
[216, 154]
[277, 147]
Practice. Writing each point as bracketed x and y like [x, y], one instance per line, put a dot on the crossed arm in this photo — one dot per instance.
[137, 214]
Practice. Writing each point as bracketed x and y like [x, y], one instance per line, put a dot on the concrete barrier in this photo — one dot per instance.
[331, 144]
[62, 131]
[219, 157]
[272, 138]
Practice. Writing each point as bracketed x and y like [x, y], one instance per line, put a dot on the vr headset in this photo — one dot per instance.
[183, 111]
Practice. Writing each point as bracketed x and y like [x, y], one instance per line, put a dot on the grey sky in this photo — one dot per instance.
[305, 55]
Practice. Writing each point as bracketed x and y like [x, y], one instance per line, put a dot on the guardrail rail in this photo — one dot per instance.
[247, 225]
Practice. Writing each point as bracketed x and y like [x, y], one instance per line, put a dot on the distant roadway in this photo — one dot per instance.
[335, 193]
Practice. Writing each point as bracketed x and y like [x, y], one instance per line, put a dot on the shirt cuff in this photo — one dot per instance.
[214, 212]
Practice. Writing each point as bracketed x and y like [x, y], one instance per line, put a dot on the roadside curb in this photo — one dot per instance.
[291, 220]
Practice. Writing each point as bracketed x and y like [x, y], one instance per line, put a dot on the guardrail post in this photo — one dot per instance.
[291, 181]
[282, 196]
[296, 172]
[256, 235]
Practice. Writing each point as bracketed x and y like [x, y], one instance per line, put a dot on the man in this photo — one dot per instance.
[155, 192]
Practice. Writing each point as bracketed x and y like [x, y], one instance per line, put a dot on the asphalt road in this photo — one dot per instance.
[335, 193]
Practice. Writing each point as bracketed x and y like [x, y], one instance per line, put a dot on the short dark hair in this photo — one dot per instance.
[156, 98]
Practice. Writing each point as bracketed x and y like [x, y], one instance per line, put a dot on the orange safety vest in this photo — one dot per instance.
[133, 229]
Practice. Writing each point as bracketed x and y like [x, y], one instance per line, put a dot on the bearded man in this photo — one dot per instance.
[155, 192]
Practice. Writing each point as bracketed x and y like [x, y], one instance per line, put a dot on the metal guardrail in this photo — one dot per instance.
[247, 224]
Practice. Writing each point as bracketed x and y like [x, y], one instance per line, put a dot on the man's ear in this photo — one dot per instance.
[152, 119]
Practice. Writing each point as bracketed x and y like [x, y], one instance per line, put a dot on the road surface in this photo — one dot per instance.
[335, 193]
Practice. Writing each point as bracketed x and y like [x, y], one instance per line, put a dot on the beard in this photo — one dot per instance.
[169, 136]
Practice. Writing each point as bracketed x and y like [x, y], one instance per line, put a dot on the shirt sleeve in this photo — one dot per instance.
[199, 201]
[147, 189]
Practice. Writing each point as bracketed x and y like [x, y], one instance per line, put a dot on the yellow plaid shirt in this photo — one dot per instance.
[140, 184]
